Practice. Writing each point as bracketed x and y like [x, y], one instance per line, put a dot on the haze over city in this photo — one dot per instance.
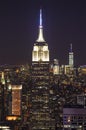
[64, 22]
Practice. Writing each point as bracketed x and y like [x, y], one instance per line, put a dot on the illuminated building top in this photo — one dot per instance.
[40, 49]
[40, 36]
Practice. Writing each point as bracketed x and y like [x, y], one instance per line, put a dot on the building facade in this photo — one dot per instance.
[71, 57]
[40, 108]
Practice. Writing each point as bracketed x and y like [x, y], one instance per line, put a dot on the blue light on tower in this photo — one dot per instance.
[40, 17]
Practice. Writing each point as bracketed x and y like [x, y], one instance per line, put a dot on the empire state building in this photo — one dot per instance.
[40, 118]
[40, 48]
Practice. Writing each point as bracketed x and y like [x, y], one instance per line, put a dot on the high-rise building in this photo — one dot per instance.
[56, 67]
[40, 107]
[81, 99]
[3, 97]
[14, 100]
[71, 57]
[2, 105]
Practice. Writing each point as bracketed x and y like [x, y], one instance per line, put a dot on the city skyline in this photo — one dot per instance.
[63, 22]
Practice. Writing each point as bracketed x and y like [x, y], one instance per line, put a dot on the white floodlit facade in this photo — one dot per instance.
[71, 57]
[40, 53]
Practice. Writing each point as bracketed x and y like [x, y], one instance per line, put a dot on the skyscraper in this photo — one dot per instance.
[40, 108]
[14, 100]
[71, 57]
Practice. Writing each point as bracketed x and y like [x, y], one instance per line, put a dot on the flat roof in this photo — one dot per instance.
[71, 111]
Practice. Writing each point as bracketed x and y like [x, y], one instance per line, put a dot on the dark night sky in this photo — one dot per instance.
[64, 22]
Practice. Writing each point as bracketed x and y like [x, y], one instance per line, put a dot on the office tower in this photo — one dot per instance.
[56, 67]
[81, 99]
[82, 70]
[2, 107]
[14, 100]
[3, 97]
[40, 109]
[71, 57]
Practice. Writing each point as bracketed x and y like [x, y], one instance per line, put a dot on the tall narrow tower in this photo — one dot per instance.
[40, 49]
[40, 109]
[71, 57]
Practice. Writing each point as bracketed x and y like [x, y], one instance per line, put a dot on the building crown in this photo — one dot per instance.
[40, 35]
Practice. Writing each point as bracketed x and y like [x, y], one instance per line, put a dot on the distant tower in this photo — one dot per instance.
[56, 67]
[40, 117]
[3, 78]
[71, 57]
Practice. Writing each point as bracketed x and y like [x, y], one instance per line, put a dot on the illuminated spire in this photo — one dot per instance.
[71, 47]
[40, 17]
[40, 35]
